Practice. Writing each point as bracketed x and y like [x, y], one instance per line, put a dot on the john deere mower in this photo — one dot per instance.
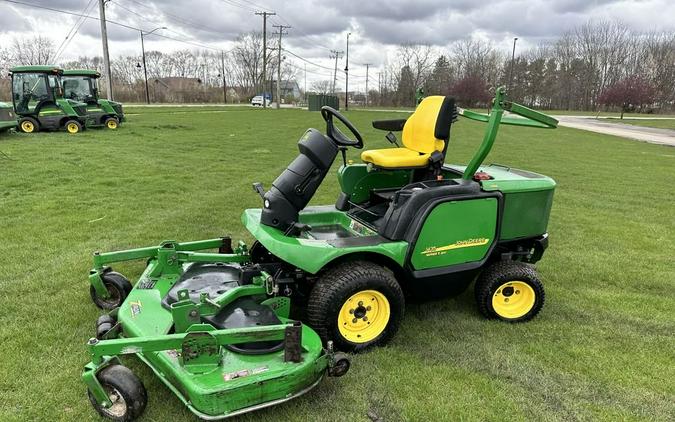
[82, 85]
[39, 102]
[7, 117]
[214, 322]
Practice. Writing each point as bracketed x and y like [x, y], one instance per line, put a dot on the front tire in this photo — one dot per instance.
[125, 390]
[510, 291]
[357, 305]
[29, 125]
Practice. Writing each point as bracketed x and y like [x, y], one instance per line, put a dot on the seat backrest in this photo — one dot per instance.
[428, 128]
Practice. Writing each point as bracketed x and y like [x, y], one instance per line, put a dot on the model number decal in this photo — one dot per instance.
[440, 250]
[244, 373]
[135, 308]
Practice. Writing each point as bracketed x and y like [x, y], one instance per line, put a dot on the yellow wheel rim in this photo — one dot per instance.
[112, 124]
[364, 316]
[72, 128]
[513, 299]
[27, 127]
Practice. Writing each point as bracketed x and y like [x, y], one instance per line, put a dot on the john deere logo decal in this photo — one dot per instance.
[441, 250]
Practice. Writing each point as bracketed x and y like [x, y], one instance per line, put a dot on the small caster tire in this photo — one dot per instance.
[118, 287]
[125, 390]
[341, 365]
[104, 325]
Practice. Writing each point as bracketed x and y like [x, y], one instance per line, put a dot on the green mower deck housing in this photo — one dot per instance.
[395, 230]
[7, 117]
[39, 103]
[82, 85]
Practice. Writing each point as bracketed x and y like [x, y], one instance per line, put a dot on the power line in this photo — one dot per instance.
[307, 61]
[111, 22]
[73, 31]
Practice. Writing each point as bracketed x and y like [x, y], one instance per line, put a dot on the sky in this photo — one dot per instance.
[318, 26]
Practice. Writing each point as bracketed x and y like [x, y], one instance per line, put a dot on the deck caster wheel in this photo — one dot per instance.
[357, 304]
[510, 291]
[340, 366]
[118, 286]
[125, 391]
[73, 126]
[104, 325]
[111, 123]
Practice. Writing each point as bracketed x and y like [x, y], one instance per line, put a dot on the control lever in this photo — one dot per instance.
[258, 187]
[392, 138]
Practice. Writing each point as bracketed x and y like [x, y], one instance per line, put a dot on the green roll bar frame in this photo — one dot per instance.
[496, 117]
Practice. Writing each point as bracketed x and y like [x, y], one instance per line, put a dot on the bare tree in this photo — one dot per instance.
[321, 87]
[37, 50]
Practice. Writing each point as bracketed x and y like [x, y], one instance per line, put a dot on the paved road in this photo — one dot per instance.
[640, 133]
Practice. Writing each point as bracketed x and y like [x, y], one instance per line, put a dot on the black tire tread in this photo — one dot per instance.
[497, 274]
[346, 276]
[129, 385]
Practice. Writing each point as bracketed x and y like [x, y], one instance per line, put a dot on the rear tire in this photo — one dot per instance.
[357, 304]
[29, 125]
[510, 291]
[73, 126]
[126, 391]
[111, 123]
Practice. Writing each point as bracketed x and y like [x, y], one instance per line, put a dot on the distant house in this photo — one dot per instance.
[289, 88]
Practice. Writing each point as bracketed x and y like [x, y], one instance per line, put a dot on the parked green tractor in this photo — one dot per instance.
[214, 322]
[7, 117]
[39, 103]
[82, 85]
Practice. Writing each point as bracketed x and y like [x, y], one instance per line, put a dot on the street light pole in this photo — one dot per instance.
[347, 74]
[513, 58]
[145, 67]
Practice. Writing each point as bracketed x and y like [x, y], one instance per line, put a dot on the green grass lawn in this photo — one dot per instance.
[656, 123]
[603, 347]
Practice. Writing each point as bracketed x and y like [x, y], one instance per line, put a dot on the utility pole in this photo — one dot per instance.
[222, 65]
[106, 54]
[513, 58]
[145, 67]
[347, 75]
[367, 67]
[264, 69]
[337, 55]
[281, 32]
[305, 82]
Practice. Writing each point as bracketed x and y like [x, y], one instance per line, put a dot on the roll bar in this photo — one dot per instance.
[531, 118]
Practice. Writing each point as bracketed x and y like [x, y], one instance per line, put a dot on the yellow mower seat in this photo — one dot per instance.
[426, 130]
[395, 158]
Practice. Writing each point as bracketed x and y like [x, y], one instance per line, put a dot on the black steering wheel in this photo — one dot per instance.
[336, 134]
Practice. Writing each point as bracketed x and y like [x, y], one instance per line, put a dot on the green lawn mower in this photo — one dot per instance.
[39, 103]
[82, 85]
[220, 326]
[7, 117]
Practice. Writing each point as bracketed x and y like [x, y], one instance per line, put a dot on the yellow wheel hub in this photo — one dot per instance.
[72, 128]
[513, 299]
[364, 316]
[27, 127]
[112, 124]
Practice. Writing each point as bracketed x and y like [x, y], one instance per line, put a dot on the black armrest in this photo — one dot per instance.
[395, 125]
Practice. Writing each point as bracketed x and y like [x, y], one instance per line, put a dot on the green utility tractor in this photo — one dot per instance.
[7, 117]
[82, 85]
[39, 102]
[215, 323]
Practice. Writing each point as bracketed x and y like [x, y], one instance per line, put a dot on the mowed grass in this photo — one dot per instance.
[603, 347]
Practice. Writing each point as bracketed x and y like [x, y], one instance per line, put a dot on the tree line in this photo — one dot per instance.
[594, 66]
